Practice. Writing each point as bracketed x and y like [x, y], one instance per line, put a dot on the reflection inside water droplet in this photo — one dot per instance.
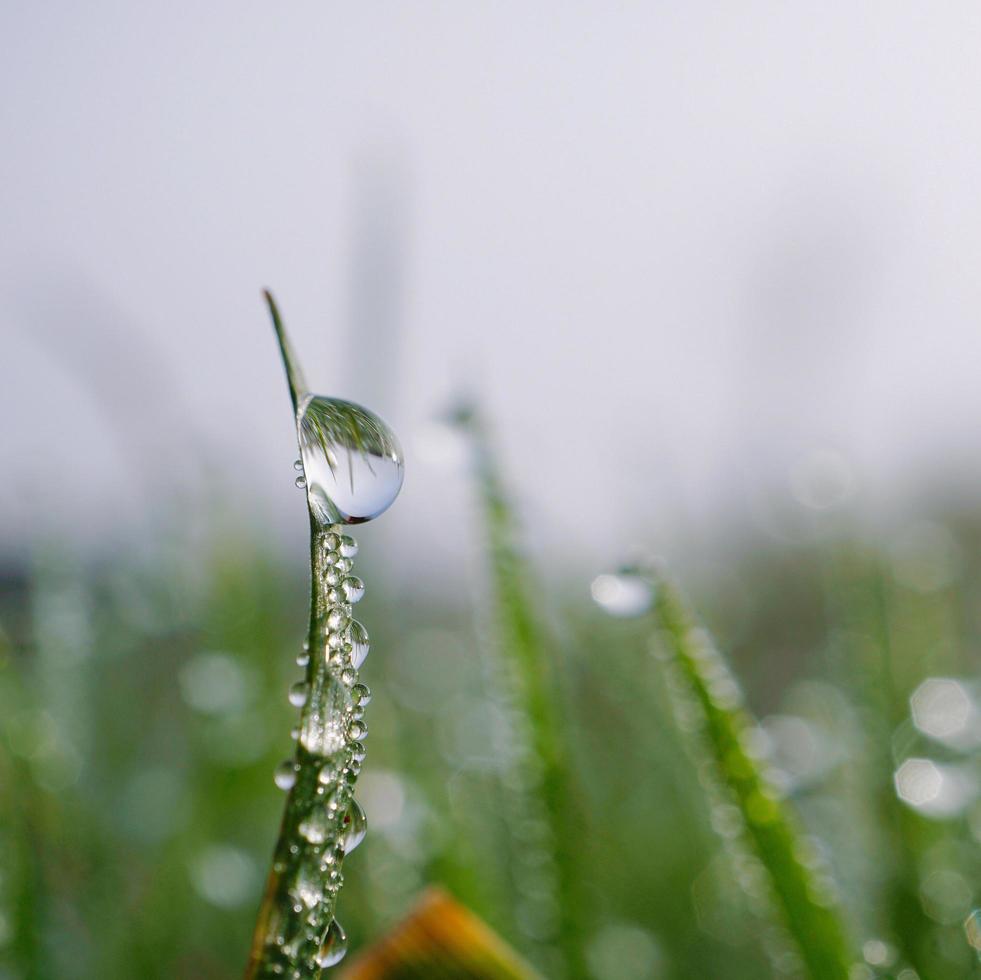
[351, 459]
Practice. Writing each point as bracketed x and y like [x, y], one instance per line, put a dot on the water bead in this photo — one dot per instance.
[344, 565]
[358, 752]
[298, 464]
[335, 641]
[622, 595]
[334, 946]
[336, 620]
[353, 588]
[315, 826]
[298, 694]
[348, 677]
[285, 775]
[303, 658]
[359, 643]
[352, 460]
[333, 597]
[357, 730]
[361, 694]
[355, 827]
[331, 542]
[331, 577]
[349, 547]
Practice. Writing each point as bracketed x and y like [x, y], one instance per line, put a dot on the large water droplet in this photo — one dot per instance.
[351, 459]
[354, 828]
[334, 946]
[359, 644]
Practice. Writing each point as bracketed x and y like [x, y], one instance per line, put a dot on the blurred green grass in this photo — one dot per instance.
[143, 709]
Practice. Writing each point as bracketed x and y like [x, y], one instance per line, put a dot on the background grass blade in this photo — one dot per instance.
[806, 910]
[532, 691]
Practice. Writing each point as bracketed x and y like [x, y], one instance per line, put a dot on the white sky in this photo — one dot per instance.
[675, 247]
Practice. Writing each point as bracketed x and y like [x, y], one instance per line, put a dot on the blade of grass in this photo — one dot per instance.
[296, 933]
[530, 673]
[807, 913]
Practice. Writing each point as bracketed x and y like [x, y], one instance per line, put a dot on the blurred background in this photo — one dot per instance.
[711, 271]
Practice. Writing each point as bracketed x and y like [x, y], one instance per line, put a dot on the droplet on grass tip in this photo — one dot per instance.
[351, 458]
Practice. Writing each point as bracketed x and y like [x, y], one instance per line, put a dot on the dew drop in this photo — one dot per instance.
[353, 588]
[359, 643]
[336, 619]
[348, 676]
[315, 826]
[358, 751]
[301, 482]
[361, 694]
[354, 828]
[285, 774]
[349, 547]
[307, 887]
[334, 946]
[622, 595]
[303, 658]
[352, 459]
[297, 464]
[298, 694]
[357, 730]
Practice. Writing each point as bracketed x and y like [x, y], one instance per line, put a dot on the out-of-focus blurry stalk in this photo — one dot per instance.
[530, 667]
[861, 607]
[808, 916]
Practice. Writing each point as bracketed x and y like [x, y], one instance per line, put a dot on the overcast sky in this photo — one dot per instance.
[681, 251]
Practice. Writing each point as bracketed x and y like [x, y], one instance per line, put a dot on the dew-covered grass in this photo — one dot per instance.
[144, 712]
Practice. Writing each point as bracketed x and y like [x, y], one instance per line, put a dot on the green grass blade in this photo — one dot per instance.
[807, 913]
[531, 671]
[295, 929]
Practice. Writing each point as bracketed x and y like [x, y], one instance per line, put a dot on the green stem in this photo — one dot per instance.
[296, 935]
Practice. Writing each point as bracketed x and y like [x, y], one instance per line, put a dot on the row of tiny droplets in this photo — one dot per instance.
[328, 821]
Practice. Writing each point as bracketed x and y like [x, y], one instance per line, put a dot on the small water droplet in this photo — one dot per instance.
[298, 694]
[354, 828]
[361, 694]
[359, 642]
[297, 464]
[348, 676]
[357, 730]
[303, 658]
[332, 578]
[301, 482]
[358, 751]
[315, 826]
[336, 620]
[352, 460]
[334, 946]
[353, 588]
[624, 594]
[307, 886]
[285, 774]
[349, 547]
[344, 565]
